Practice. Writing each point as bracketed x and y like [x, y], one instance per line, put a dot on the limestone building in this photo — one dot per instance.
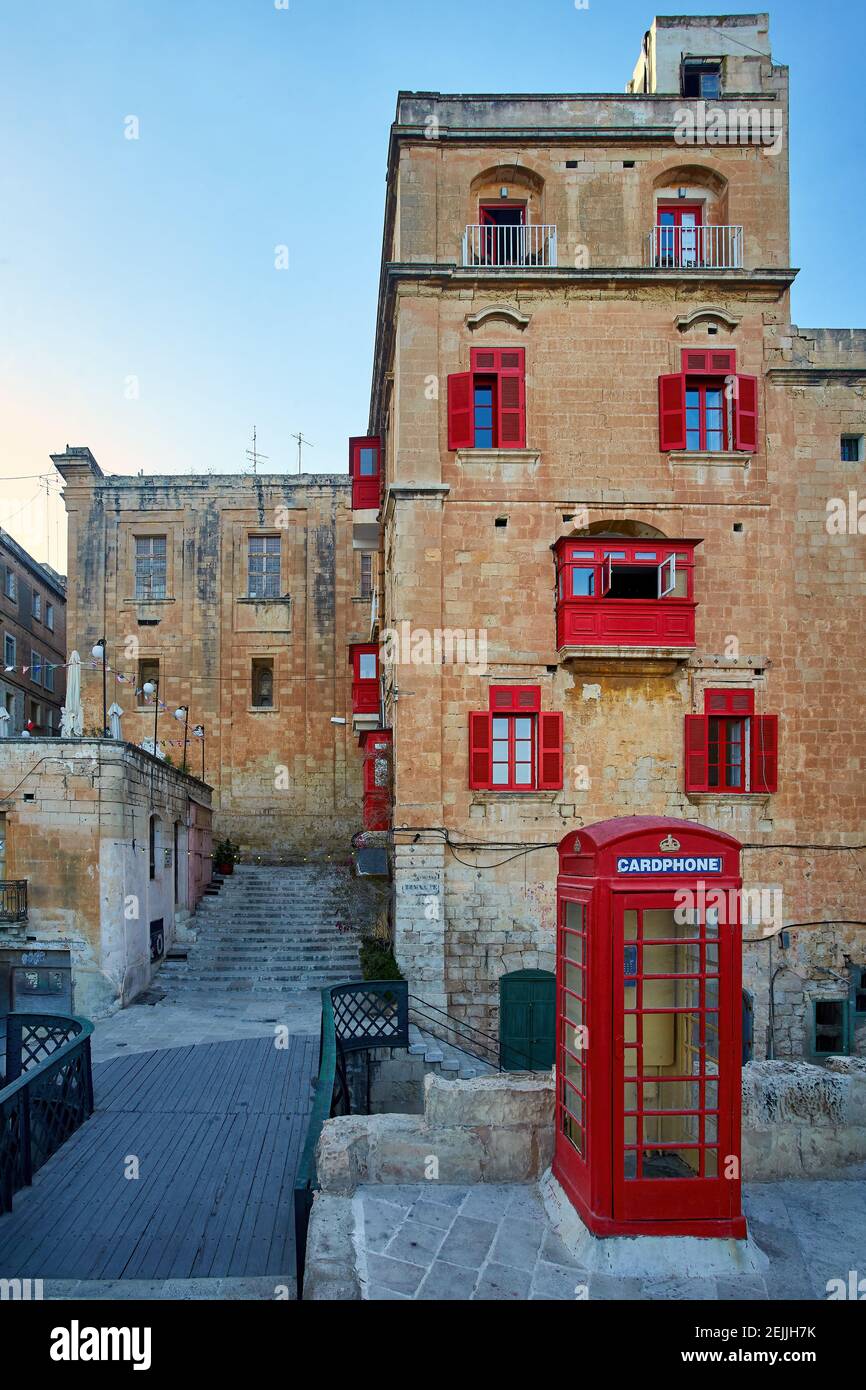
[618, 522]
[237, 597]
[33, 633]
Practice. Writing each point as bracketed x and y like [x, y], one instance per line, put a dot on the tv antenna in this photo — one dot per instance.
[253, 454]
[301, 442]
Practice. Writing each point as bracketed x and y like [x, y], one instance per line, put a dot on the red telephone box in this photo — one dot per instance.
[648, 1028]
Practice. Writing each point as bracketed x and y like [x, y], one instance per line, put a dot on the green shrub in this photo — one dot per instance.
[377, 961]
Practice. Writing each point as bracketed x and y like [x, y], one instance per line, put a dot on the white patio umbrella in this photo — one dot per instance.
[114, 713]
[72, 713]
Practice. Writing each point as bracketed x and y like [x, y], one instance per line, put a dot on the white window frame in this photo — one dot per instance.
[7, 638]
[667, 583]
[35, 667]
[10, 588]
[49, 616]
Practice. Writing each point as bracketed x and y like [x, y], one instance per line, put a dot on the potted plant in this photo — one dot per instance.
[225, 856]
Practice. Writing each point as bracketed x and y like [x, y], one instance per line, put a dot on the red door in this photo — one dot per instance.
[679, 235]
[502, 236]
[674, 1072]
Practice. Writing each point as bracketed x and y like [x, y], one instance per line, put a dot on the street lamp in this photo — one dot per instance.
[198, 732]
[99, 653]
[183, 714]
[151, 688]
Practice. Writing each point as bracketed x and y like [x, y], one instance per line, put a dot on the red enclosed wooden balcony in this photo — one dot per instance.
[364, 659]
[365, 455]
[617, 596]
[376, 748]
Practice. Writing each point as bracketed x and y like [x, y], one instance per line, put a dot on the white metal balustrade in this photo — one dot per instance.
[495, 246]
[695, 248]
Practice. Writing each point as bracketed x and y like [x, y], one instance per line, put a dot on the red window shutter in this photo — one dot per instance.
[719, 361]
[746, 414]
[672, 412]
[515, 699]
[696, 753]
[764, 759]
[484, 360]
[694, 360]
[729, 701]
[550, 751]
[461, 434]
[480, 751]
[511, 399]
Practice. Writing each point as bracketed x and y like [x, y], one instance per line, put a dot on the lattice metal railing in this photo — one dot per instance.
[13, 900]
[374, 1013]
[47, 1092]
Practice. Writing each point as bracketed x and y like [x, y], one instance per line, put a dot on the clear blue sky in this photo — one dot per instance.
[155, 258]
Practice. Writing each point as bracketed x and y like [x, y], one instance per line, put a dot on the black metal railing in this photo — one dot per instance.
[13, 899]
[46, 1092]
[484, 1047]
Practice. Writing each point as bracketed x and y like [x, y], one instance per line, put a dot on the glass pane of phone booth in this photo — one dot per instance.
[670, 1045]
[571, 1069]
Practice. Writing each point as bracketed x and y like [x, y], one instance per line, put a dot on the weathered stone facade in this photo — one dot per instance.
[33, 637]
[286, 779]
[111, 841]
[467, 532]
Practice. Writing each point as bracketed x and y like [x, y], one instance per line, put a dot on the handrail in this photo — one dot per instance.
[519, 244]
[306, 1176]
[44, 1098]
[490, 1043]
[713, 247]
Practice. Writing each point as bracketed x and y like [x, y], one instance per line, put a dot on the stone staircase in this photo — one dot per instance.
[269, 931]
[444, 1058]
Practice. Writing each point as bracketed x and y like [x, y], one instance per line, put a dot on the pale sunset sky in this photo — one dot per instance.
[142, 313]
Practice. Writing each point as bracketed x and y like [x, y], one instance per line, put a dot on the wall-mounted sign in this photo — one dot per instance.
[669, 864]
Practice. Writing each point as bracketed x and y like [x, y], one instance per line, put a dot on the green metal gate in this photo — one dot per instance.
[527, 1020]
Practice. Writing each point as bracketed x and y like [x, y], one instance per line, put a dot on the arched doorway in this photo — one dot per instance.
[527, 1020]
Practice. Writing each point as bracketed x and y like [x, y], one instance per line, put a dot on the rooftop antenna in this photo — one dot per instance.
[301, 442]
[253, 454]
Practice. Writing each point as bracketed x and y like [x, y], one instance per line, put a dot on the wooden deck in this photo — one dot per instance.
[217, 1130]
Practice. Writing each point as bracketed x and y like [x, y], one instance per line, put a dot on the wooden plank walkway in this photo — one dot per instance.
[217, 1130]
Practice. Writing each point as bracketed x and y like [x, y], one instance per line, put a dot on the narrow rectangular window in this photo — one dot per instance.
[36, 668]
[9, 651]
[706, 417]
[48, 676]
[263, 567]
[263, 682]
[830, 1024]
[37, 607]
[367, 574]
[367, 666]
[11, 585]
[150, 567]
[148, 674]
[49, 616]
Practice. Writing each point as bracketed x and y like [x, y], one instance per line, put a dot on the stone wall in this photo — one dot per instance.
[803, 1121]
[492, 1129]
[78, 814]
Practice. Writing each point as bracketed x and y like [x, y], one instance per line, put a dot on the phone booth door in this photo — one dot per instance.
[572, 1032]
[673, 1020]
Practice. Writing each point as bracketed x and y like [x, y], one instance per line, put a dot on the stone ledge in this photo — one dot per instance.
[495, 1128]
[703, 459]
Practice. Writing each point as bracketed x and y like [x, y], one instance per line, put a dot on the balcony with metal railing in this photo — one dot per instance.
[13, 900]
[694, 248]
[509, 247]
